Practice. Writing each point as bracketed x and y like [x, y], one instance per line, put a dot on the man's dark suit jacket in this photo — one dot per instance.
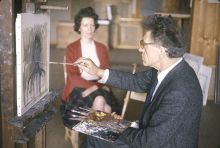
[173, 118]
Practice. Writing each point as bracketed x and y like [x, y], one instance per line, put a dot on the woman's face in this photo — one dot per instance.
[87, 28]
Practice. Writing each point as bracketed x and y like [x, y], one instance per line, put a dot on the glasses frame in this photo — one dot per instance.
[142, 44]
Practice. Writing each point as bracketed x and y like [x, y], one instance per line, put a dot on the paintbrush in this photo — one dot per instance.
[86, 109]
[79, 112]
[62, 63]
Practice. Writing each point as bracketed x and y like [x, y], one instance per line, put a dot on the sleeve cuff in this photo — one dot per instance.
[104, 79]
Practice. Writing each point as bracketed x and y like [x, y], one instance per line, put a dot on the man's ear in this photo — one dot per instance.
[163, 51]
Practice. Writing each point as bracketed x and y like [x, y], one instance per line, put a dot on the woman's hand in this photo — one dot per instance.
[89, 90]
[89, 66]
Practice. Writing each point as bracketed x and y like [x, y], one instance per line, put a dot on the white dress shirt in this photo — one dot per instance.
[161, 75]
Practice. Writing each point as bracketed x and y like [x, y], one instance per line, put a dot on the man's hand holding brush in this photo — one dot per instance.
[89, 66]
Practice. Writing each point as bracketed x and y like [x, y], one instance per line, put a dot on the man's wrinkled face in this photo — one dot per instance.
[149, 50]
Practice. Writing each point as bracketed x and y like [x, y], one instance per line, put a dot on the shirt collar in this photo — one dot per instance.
[161, 75]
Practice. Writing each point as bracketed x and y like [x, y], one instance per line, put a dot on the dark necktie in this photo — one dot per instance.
[149, 97]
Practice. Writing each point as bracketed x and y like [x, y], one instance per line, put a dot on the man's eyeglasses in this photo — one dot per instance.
[142, 44]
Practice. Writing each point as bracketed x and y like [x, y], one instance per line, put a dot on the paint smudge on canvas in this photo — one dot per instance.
[34, 72]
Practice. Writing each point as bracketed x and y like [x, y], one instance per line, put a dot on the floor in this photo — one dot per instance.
[122, 59]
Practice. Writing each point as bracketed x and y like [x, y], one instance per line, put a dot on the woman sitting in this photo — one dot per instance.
[81, 88]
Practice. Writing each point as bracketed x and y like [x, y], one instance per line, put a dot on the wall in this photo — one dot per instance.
[7, 70]
[124, 9]
[58, 15]
[205, 34]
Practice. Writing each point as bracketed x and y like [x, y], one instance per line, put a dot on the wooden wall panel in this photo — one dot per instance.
[66, 34]
[170, 6]
[205, 30]
[7, 70]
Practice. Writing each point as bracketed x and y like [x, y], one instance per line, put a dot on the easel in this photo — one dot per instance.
[29, 129]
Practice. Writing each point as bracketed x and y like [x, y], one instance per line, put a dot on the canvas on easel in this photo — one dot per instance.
[204, 76]
[32, 57]
[194, 61]
[202, 71]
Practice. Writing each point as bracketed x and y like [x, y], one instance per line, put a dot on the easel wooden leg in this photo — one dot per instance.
[72, 136]
[40, 139]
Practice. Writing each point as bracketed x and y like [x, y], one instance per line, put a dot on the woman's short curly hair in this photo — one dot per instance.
[164, 31]
[85, 12]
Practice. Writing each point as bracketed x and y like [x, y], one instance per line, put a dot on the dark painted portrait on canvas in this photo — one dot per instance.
[32, 48]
